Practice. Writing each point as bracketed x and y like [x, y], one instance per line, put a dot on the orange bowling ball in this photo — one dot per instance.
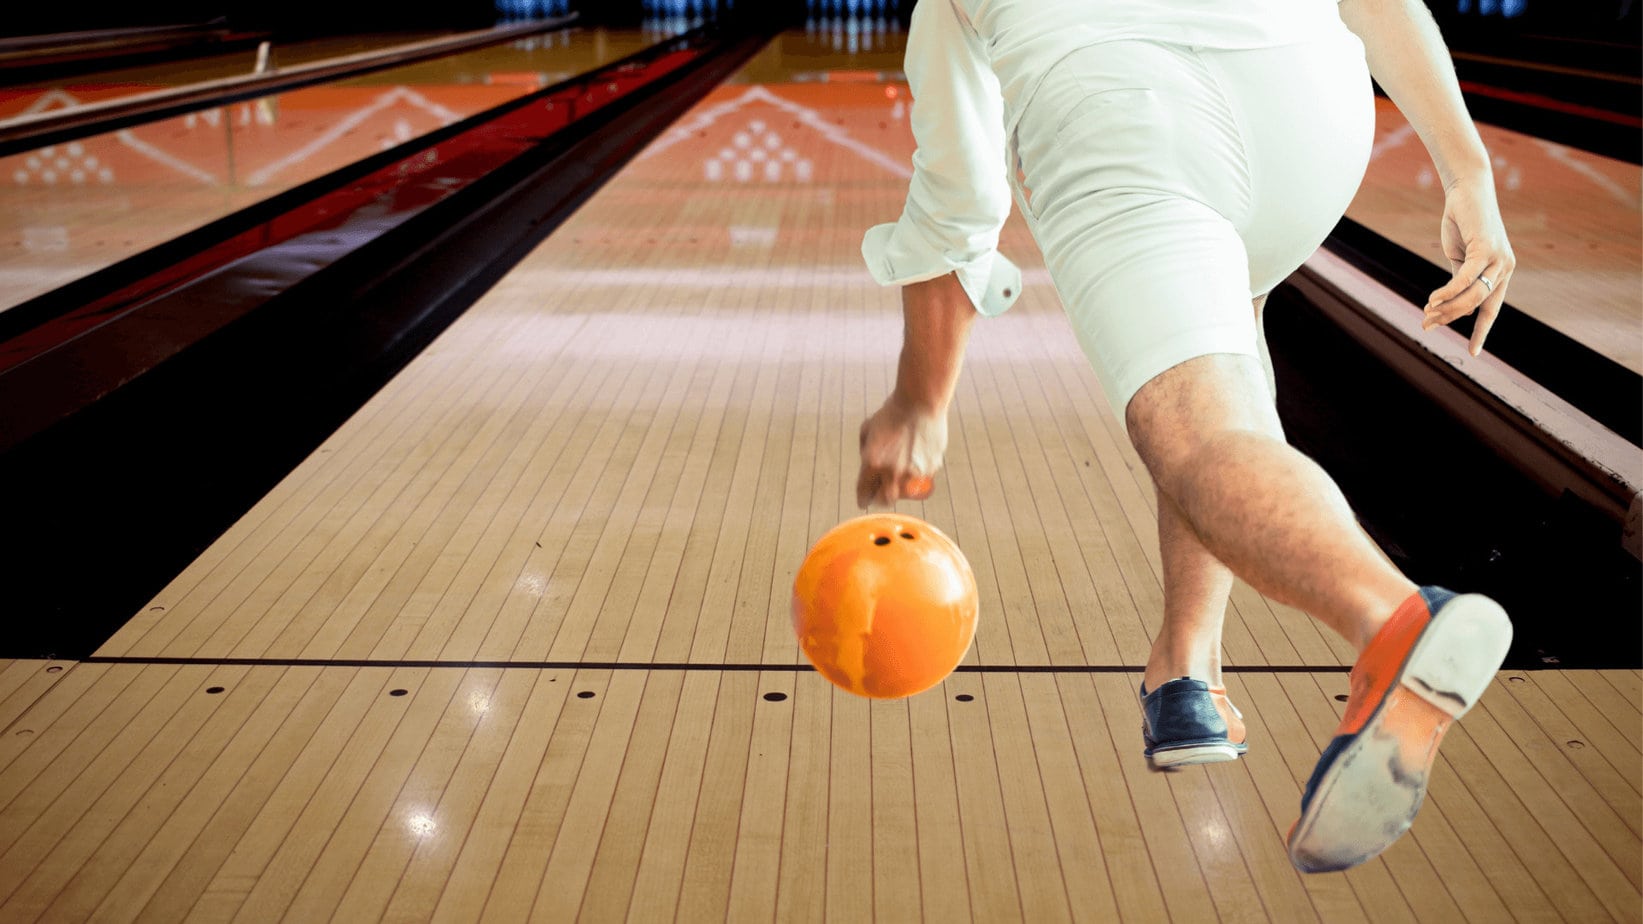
[885, 606]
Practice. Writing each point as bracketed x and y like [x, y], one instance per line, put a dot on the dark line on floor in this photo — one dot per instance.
[673, 665]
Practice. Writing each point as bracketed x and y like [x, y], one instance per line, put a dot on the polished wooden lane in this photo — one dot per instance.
[199, 792]
[566, 535]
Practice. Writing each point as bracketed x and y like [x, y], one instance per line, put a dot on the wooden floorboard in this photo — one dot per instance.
[22, 682]
[316, 792]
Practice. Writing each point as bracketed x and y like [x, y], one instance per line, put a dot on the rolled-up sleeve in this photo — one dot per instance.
[959, 196]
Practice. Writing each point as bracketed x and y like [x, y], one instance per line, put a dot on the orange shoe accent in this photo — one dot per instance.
[1229, 714]
[1380, 664]
[1417, 726]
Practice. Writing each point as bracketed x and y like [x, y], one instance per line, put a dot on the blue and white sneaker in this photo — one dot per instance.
[1187, 721]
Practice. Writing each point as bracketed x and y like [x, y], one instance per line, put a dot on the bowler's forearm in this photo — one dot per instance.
[937, 316]
[1408, 59]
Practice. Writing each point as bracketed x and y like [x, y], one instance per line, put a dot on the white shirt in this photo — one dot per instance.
[972, 65]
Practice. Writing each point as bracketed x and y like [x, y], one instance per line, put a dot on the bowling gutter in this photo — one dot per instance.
[1569, 416]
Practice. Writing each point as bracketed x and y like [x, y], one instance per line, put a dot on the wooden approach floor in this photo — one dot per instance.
[515, 640]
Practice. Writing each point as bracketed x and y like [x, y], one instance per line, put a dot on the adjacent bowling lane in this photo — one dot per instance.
[115, 83]
[69, 209]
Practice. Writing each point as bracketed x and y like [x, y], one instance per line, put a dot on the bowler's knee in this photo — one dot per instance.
[1187, 409]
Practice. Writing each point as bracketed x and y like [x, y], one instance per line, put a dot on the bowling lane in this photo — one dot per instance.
[70, 209]
[622, 452]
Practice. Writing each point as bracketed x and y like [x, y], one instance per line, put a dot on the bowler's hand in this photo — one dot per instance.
[901, 450]
[1474, 240]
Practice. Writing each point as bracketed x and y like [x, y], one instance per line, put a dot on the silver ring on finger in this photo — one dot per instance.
[1487, 285]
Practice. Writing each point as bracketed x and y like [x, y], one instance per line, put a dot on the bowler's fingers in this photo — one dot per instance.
[1465, 278]
[1487, 313]
[917, 487]
[874, 488]
[1480, 290]
[879, 486]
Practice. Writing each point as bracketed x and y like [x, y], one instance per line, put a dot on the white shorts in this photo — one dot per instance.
[1167, 186]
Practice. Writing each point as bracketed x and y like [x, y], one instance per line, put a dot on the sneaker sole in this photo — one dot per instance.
[1198, 754]
[1369, 796]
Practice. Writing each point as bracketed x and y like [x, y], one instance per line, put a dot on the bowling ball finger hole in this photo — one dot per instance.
[881, 540]
[908, 536]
